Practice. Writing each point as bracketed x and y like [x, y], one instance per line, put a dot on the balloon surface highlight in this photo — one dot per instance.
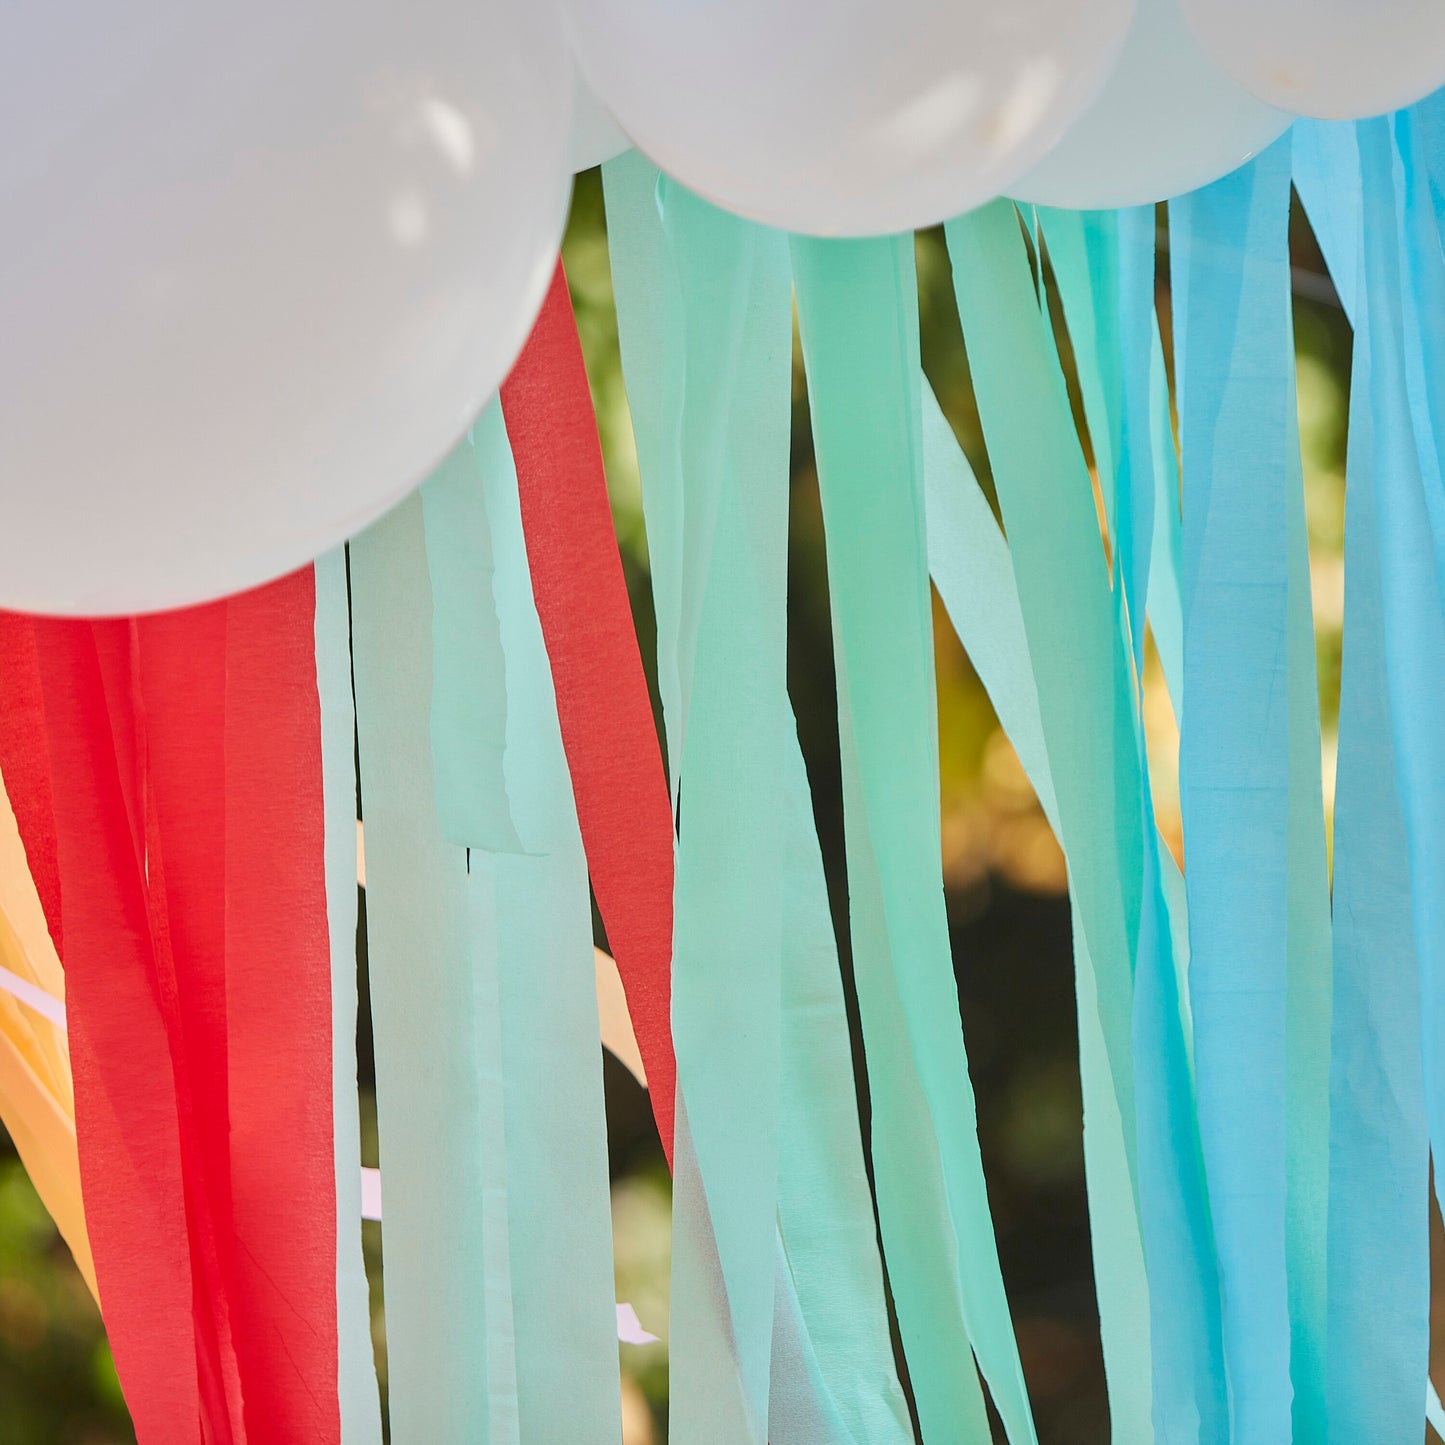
[262, 267]
[1168, 120]
[845, 117]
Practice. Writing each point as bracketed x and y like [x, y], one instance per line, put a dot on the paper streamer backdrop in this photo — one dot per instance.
[590, 820]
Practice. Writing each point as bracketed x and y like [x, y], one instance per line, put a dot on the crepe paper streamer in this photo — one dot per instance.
[1063, 591]
[425, 1005]
[1420, 146]
[357, 1386]
[1378, 1284]
[1325, 168]
[1230, 250]
[173, 776]
[1083, 247]
[559, 1214]
[730, 293]
[1165, 607]
[469, 679]
[1414, 637]
[1183, 1312]
[825, 1208]
[129, 1148]
[602, 701]
[972, 571]
[1085, 694]
[857, 315]
[833, 1376]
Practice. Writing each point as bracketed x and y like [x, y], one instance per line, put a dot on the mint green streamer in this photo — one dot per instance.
[1082, 669]
[356, 1381]
[469, 680]
[431, 1103]
[857, 309]
[735, 327]
[559, 1225]
[972, 571]
[832, 1374]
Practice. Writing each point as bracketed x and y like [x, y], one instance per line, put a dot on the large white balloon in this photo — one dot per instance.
[1168, 120]
[260, 267]
[847, 117]
[1332, 59]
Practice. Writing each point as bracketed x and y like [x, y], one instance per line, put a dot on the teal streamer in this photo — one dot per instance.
[356, 1383]
[1085, 690]
[424, 1003]
[971, 569]
[1378, 1281]
[832, 1370]
[1082, 670]
[1232, 290]
[858, 320]
[1397, 435]
[559, 1227]
[469, 679]
[1165, 606]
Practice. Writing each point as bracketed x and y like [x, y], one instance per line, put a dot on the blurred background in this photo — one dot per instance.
[1008, 911]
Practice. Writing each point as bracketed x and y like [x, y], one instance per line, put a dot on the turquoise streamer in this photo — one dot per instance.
[559, 1224]
[431, 1119]
[1085, 690]
[971, 569]
[1232, 289]
[858, 320]
[1082, 670]
[1379, 1271]
[1414, 636]
[356, 1385]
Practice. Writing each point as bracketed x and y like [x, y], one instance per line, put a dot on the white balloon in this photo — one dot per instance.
[847, 117]
[1168, 121]
[261, 266]
[1331, 59]
[596, 136]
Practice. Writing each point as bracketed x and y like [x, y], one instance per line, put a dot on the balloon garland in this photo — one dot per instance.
[281, 317]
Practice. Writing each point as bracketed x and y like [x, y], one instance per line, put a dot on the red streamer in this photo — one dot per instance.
[166, 776]
[602, 699]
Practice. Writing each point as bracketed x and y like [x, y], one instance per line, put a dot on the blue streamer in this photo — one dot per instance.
[1232, 293]
[1414, 635]
[1379, 1268]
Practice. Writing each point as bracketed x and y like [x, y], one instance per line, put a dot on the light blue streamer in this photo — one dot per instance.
[356, 1385]
[1414, 635]
[1379, 1268]
[1232, 289]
